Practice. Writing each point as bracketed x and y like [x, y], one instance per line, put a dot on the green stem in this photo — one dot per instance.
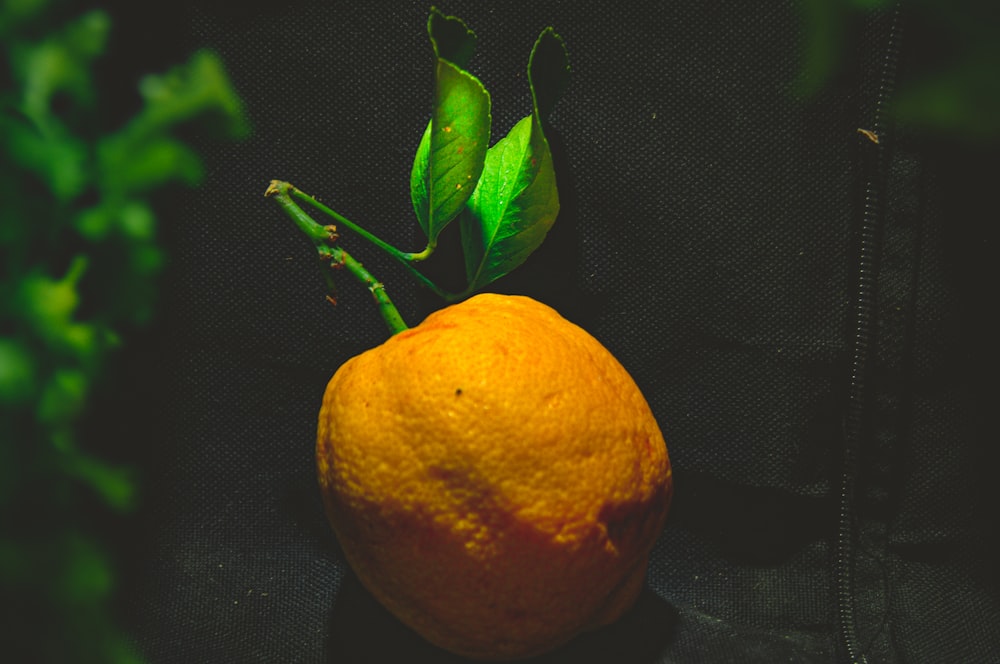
[385, 306]
[324, 239]
[405, 258]
[347, 223]
[422, 255]
[320, 235]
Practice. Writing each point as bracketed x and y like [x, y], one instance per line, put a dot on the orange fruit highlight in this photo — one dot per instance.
[494, 477]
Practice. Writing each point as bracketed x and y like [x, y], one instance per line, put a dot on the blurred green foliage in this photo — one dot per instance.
[953, 86]
[78, 266]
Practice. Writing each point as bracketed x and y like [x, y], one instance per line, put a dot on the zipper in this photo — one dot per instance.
[864, 314]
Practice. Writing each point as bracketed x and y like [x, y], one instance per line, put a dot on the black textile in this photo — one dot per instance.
[711, 233]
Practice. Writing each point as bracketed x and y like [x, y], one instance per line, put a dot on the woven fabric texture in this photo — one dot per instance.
[709, 236]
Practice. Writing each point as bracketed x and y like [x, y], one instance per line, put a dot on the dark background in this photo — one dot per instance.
[713, 185]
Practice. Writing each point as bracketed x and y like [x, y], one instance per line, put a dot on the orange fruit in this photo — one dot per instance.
[494, 477]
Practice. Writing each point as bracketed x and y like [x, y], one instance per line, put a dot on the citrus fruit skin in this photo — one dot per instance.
[494, 476]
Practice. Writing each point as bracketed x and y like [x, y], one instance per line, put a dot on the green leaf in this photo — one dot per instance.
[451, 154]
[85, 574]
[133, 219]
[548, 72]
[17, 372]
[516, 200]
[57, 158]
[114, 484]
[62, 64]
[15, 13]
[47, 304]
[961, 101]
[451, 38]
[138, 166]
[63, 398]
[142, 155]
[198, 89]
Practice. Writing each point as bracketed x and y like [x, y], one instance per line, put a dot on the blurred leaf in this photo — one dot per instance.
[198, 89]
[61, 64]
[13, 562]
[86, 575]
[56, 158]
[963, 101]
[17, 373]
[823, 32]
[147, 259]
[132, 219]
[141, 155]
[137, 222]
[115, 485]
[63, 398]
[67, 193]
[956, 95]
[132, 167]
[47, 304]
[15, 13]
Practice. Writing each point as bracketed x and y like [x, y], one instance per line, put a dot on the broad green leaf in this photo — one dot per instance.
[516, 200]
[450, 157]
[513, 207]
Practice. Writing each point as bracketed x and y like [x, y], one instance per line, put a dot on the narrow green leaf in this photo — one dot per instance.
[516, 200]
[451, 37]
[548, 72]
[450, 157]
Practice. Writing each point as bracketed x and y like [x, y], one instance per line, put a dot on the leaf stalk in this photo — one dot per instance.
[324, 238]
[406, 259]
